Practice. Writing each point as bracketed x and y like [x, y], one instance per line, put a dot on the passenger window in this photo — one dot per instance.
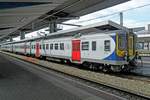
[61, 46]
[47, 46]
[40, 46]
[51, 46]
[107, 45]
[94, 45]
[85, 45]
[56, 46]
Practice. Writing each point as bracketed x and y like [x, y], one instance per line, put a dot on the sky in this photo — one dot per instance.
[132, 18]
[137, 17]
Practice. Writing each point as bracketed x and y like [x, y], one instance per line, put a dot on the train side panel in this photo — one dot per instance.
[60, 48]
[100, 48]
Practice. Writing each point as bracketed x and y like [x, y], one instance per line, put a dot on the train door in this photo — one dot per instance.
[37, 48]
[76, 56]
[130, 45]
[121, 44]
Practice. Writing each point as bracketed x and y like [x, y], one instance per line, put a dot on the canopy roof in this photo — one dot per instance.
[29, 15]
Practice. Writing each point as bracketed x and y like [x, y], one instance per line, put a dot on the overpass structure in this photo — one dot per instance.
[18, 17]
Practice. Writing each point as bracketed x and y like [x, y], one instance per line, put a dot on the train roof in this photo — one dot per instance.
[105, 26]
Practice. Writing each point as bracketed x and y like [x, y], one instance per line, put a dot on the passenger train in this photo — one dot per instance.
[105, 50]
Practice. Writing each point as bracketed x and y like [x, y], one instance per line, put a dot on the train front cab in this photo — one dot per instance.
[125, 45]
[125, 48]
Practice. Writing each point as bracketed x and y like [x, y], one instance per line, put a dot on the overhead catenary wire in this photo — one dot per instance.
[113, 13]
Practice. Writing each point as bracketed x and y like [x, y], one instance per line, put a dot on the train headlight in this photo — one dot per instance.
[120, 53]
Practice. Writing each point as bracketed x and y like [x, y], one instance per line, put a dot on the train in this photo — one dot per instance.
[143, 44]
[91, 46]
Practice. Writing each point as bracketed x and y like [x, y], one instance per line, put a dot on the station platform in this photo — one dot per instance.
[16, 83]
[20, 80]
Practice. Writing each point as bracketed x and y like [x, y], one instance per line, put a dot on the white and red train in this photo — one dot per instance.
[111, 50]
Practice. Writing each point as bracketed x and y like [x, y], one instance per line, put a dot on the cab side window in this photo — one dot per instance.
[107, 45]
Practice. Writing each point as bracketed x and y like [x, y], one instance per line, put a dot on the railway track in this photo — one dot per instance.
[131, 85]
[136, 77]
[129, 75]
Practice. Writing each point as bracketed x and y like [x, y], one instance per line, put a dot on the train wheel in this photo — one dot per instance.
[93, 66]
[68, 62]
[90, 66]
[116, 68]
[85, 65]
[63, 61]
[44, 57]
[106, 68]
[126, 69]
[100, 67]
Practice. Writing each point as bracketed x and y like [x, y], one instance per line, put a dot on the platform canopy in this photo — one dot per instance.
[29, 15]
[104, 27]
[101, 27]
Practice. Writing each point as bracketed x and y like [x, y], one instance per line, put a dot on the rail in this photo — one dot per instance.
[137, 87]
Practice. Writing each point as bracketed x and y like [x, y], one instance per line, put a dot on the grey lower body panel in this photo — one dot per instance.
[111, 62]
[59, 57]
